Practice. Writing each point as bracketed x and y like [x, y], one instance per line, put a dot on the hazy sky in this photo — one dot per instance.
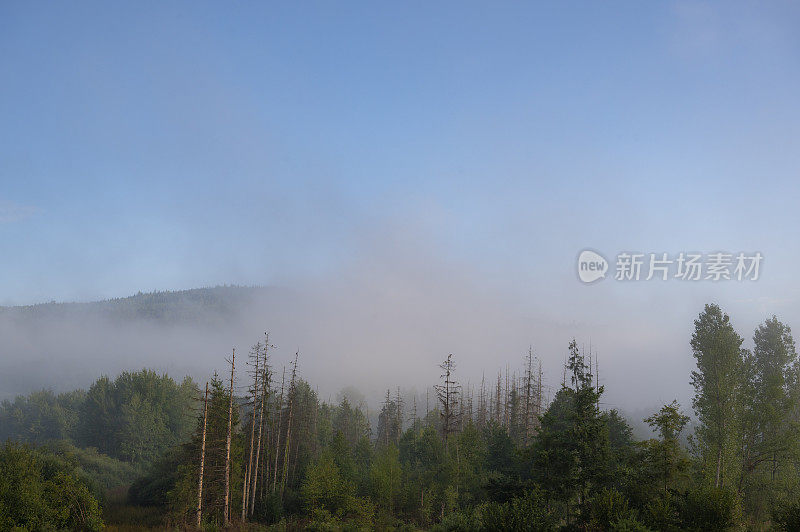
[437, 164]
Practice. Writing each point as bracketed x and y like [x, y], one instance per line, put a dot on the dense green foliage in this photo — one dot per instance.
[39, 491]
[104, 437]
[138, 416]
[135, 417]
[41, 416]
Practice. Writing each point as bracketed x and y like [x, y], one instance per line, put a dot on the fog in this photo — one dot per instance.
[400, 198]
[386, 318]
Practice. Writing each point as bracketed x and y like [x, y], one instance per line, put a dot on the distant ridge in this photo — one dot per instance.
[214, 303]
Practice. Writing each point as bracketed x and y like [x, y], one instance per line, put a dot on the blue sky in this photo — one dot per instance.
[154, 145]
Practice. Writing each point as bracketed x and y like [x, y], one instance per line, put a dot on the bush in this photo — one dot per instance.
[661, 513]
[460, 522]
[609, 506]
[269, 509]
[323, 521]
[787, 516]
[628, 524]
[527, 513]
[102, 473]
[39, 491]
[709, 508]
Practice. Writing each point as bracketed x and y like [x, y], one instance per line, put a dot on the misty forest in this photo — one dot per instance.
[254, 447]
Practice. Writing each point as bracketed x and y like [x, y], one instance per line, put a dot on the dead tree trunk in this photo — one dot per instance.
[528, 393]
[202, 460]
[506, 420]
[292, 393]
[539, 404]
[250, 472]
[304, 426]
[226, 510]
[447, 393]
[482, 403]
[386, 424]
[497, 411]
[245, 481]
[264, 396]
[279, 415]
[399, 416]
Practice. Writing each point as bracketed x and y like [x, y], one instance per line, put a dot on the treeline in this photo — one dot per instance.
[257, 445]
[65, 453]
[198, 305]
[135, 418]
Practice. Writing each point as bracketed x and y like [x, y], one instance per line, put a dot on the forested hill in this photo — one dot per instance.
[63, 346]
[219, 303]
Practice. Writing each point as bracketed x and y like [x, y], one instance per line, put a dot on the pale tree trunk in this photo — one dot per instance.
[202, 461]
[264, 397]
[225, 513]
[528, 393]
[292, 393]
[279, 415]
[246, 486]
[245, 482]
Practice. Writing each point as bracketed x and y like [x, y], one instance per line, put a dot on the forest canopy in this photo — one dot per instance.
[257, 444]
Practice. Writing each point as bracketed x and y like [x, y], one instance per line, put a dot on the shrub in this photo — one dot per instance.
[609, 506]
[527, 513]
[661, 513]
[709, 508]
[459, 522]
[39, 491]
[787, 516]
[628, 524]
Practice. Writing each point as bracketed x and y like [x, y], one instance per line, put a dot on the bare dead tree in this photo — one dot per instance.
[448, 395]
[539, 405]
[279, 415]
[303, 425]
[482, 402]
[225, 513]
[399, 416]
[385, 415]
[497, 410]
[506, 420]
[268, 424]
[265, 380]
[292, 393]
[202, 460]
[528, 393]
[427, 401]
[245, 483]
[470, 401]
[597, 378]
[256, 354]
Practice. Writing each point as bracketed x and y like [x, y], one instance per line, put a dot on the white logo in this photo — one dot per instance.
[717, 267]
[591, 266]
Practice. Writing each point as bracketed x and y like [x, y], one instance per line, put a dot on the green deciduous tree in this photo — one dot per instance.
[138, 416]
[717, 402]
[39, 491]
[770, 424]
